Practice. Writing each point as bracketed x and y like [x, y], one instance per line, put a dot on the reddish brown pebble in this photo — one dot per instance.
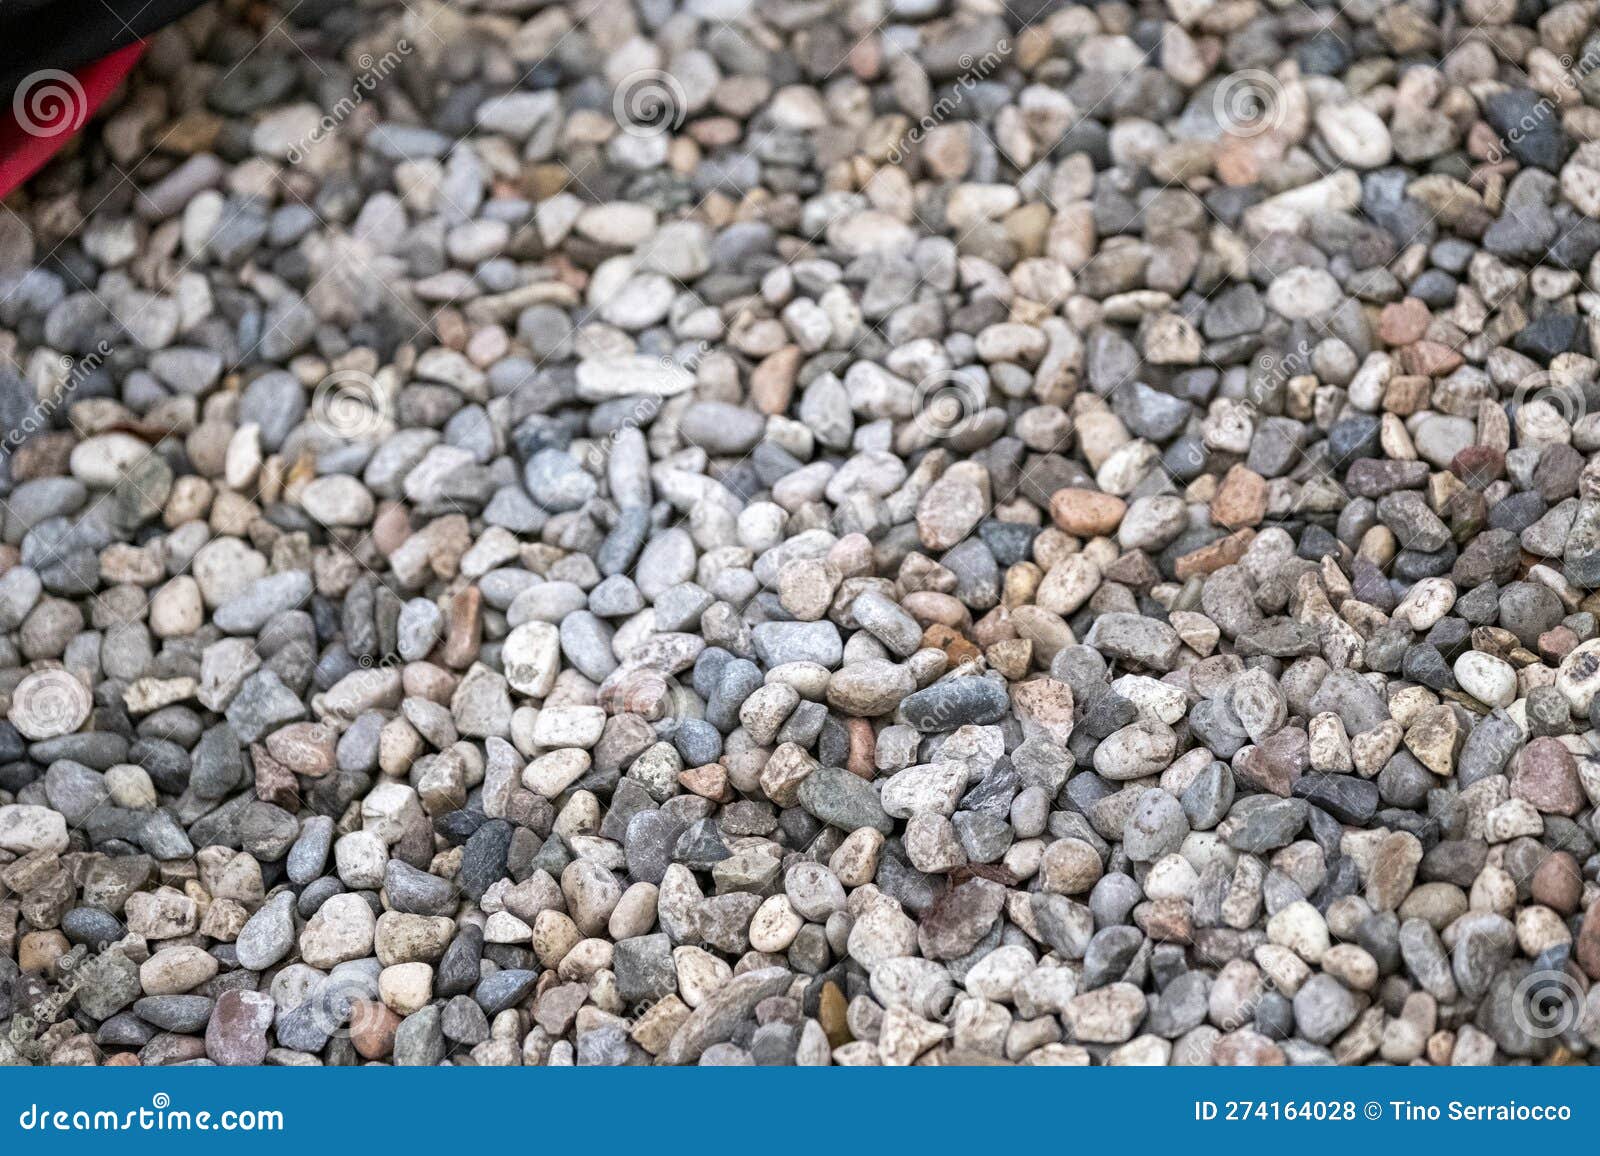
[1546, 775]
[1586, 949]
[275, 783]
[1213, 556]
[1241, 499]
[1402, 322]
[863, 746]
[1556, 643]
[1558, 883]
[1478, 465]
[1165, 920]
[372, 1028]
[709, 782]
[1431, 359]
[465, 630]
[1246, 1049]
[1086, 513]
[956, 648]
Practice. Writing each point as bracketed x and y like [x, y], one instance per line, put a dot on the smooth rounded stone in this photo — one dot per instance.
[778, 643]
[557, 482]
[337, 500]
[261, 601]
[1490, 680]
[1546, 775]
[1156, 828]
[586, 644]
[618, 596]
[185, 1014]
[176, 970]
[309, 855]
[1355, 134]
[75, 790]
[843, 800]
[268, 935]
[828, 678]
[341, 930]
[870, 688]
[1137, 750]
[419, 628]
[20, 588]
[955, 702]
[27, 828]
[91, 926]
[1528, 610]
[720, 428]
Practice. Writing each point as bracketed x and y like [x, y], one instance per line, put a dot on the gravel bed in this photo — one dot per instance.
[808, 532]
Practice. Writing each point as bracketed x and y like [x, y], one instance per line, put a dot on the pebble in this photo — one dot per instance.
[1101, 592]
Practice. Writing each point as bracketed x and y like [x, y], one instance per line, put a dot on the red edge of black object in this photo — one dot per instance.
[47, 113]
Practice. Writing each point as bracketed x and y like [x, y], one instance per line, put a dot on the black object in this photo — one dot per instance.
[37, 35]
